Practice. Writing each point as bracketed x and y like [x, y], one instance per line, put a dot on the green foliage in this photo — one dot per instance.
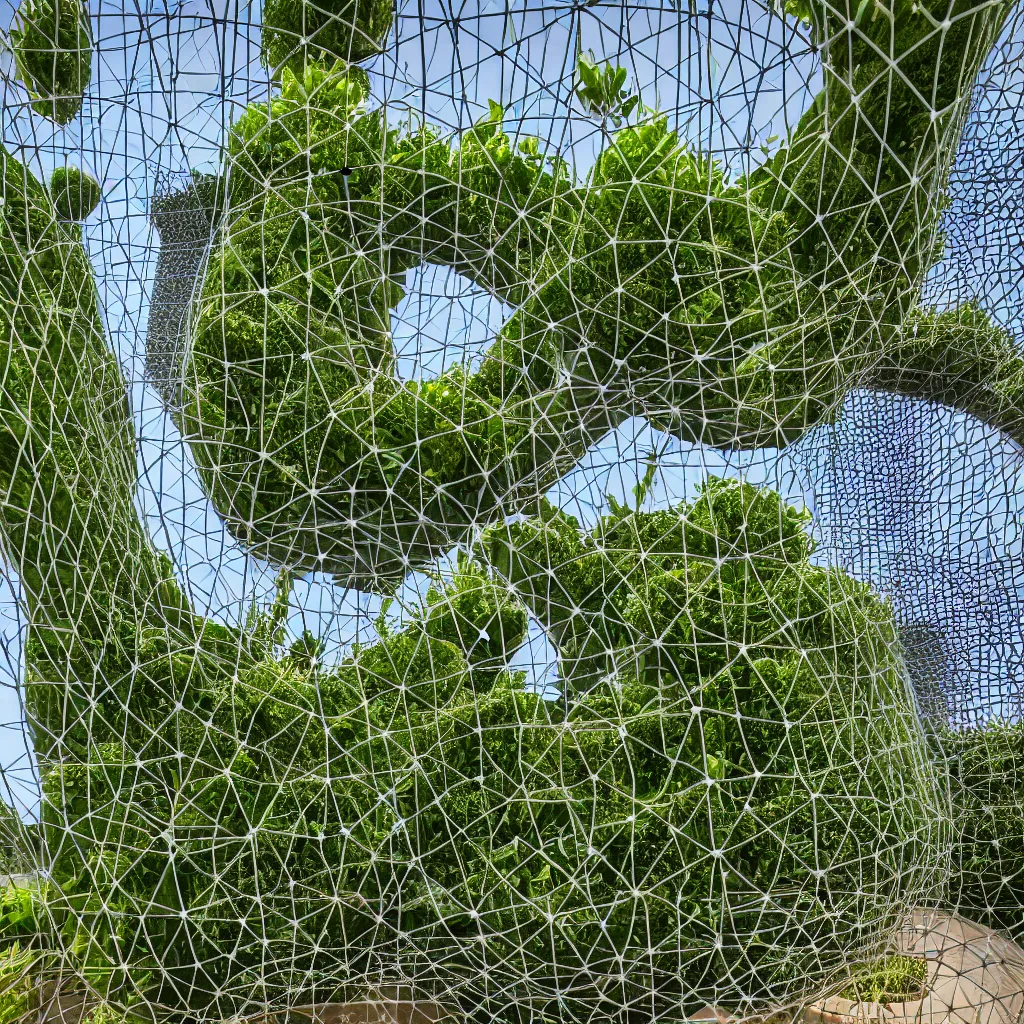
[18, 842]
[67, 452]
[75, 193]
[892, 979]
[880, 62]
[20, 917]
[473, 612]
[633, 586]
[52, 42]
[666, 329]
[509, 816]
[18, 990]
[306, 652]
[657, 287]
[959, 358]
[214, 802]
[260, 770]
[312, 288]
[602, 92]
[987, 767]
[47, 952]
[64, 427]
[298, 31]
[203, 191]
[739, 672]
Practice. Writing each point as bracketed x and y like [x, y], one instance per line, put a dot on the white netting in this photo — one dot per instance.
[512, 508]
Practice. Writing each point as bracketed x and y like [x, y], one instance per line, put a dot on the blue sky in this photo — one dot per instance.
[169, 79]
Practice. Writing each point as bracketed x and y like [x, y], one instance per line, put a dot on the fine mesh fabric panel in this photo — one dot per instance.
[511, 512]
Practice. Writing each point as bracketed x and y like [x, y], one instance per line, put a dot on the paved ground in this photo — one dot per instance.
[975, 976]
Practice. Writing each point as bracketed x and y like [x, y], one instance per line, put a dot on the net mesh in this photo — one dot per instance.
[511, 512]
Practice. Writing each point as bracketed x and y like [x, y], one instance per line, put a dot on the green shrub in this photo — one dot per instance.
[418, 796]
[987, 771]
[298, 31]
[203, 837]
[19, 993]
[75, 194]
[52, 42]
[47, 942]
[18, 843]
[601, 91]
[20, 912]
[733, 784]
[640, 290]
[718, 632]
[448, 450]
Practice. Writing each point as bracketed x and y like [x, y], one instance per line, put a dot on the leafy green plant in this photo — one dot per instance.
[34, 981]
[759, 626]
[19, 993]
[451, 447]
[487, 778]
[50, 952]
[19, 842]
[602, 92]
[892, 979]
[648, 278]
[20, 911]
[52, 42]
[214, 803]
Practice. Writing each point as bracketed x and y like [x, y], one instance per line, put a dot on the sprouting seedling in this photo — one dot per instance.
[266, 628]
[602, 91]
[643, 486]
[530, 149]
[641, 489]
